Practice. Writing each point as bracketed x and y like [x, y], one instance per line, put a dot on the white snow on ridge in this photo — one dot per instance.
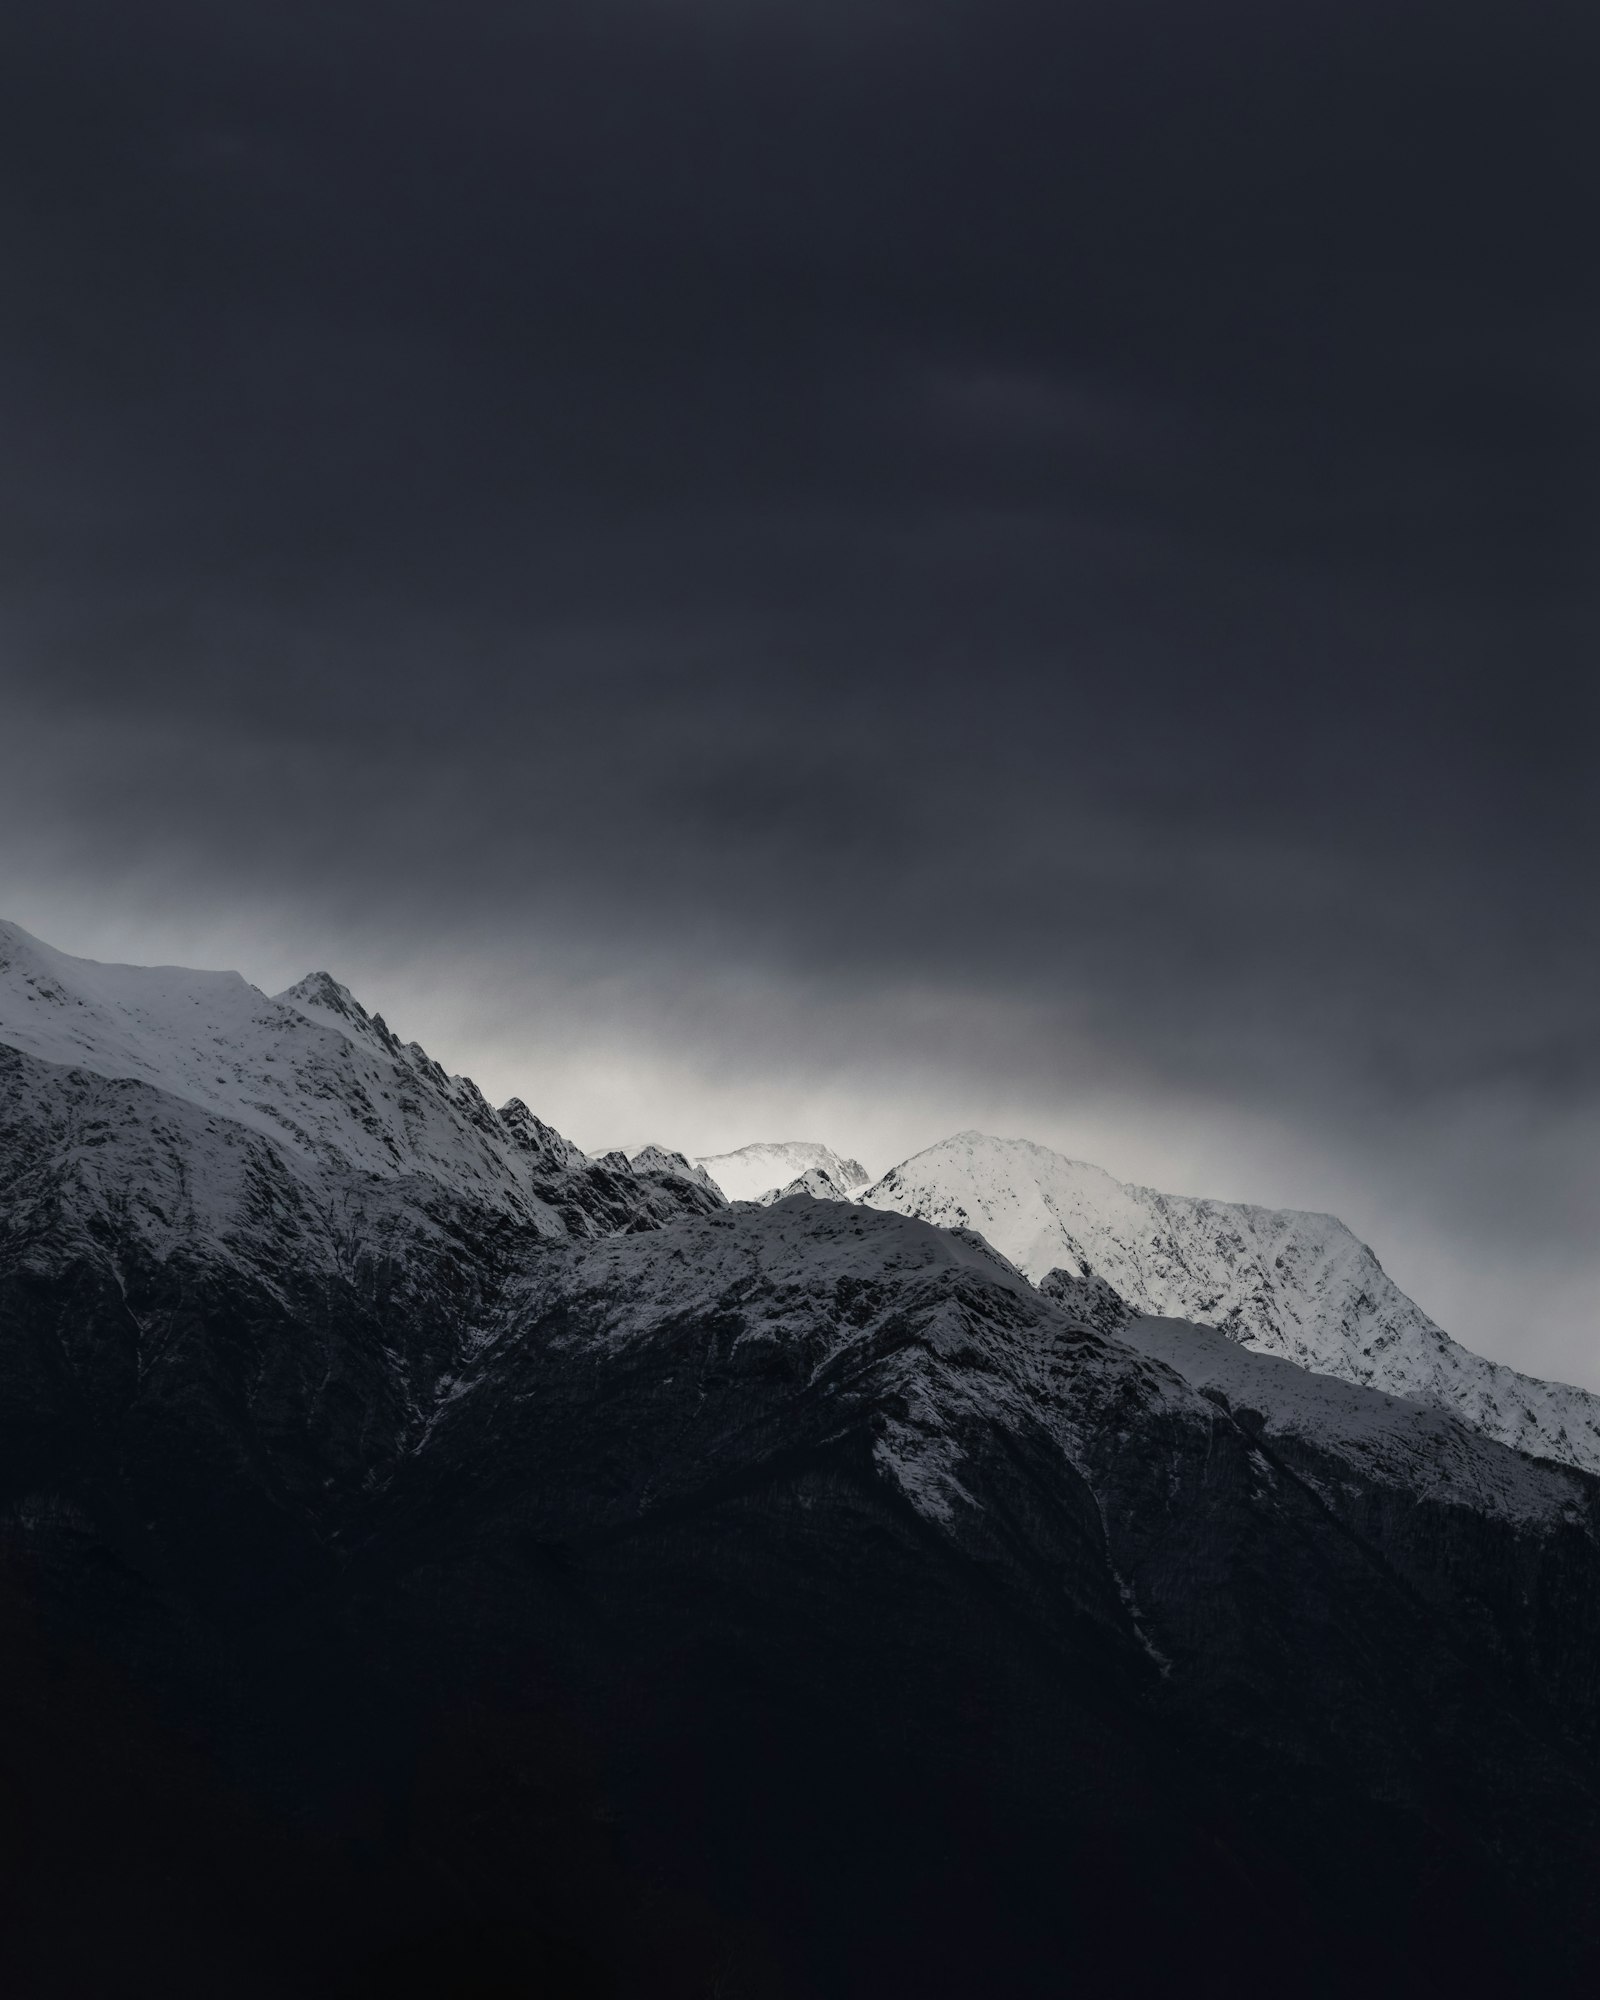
[336, 1093]
[309, 1069]
[786, 1261]
[754, 1171]
[977, 1363]
[1429, 1451]
[798, 1252]
[1280, 1281]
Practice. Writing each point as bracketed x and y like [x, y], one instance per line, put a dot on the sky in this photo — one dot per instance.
[748, 571]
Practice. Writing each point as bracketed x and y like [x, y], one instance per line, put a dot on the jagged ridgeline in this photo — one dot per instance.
[437, 1561]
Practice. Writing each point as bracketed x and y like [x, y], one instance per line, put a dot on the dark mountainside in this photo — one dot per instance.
[401, 1596]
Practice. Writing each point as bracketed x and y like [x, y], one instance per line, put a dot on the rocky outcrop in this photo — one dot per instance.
[1082, 1295]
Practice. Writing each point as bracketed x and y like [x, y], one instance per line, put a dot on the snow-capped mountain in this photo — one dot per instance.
[759, 1169]
[328, 1087]
[814, 1512]
[466, 1545]
[1281, 1281]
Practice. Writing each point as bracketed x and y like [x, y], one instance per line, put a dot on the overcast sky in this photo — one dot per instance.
[843, 570]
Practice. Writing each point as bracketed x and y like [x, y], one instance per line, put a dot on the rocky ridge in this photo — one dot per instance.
[334, 1093]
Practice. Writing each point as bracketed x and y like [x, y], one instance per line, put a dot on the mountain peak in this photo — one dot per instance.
[654, 1159]
[321, 989]
[322, 998]
[314, 1073]
[757, 1169]
[1288, 1282]
[816, 1182]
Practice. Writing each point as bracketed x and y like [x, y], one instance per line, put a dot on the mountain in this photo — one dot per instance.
[816, 1182]
[788, 1601]
[1279, 1280]
[336, 1096]
[431, 1561]
[280, 1184]
[654, 1159]
[756, 1170]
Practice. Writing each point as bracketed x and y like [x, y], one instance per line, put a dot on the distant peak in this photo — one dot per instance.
[654, 1159]
[972, 1137]
[321, 989]
[754, 1170]
[321, 998]
[816, 1182]
[1029, 1150]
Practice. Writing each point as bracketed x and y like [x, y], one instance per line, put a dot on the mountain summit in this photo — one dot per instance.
[1282, 1281]
[754, 1171]
[307, 1081]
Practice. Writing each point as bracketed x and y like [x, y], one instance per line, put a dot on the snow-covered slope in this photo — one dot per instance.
[1279, 1280]
[310, 1070]
[961, 1347]
[757, 1170]
[1427, 1451]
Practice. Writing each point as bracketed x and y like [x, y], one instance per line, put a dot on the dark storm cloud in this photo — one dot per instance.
[1088, 508]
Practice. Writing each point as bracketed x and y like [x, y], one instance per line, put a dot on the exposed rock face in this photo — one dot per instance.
[1081, 1295]
[407, 1585]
